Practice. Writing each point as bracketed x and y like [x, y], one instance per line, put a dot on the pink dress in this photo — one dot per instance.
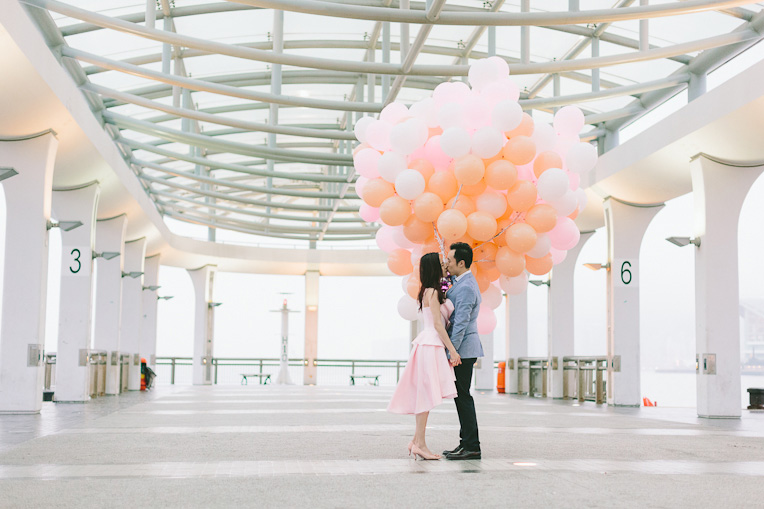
[428, 378]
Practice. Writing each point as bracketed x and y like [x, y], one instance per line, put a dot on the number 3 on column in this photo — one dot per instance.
[77, 260]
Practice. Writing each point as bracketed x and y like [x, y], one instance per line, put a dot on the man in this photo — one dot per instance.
[465, 295]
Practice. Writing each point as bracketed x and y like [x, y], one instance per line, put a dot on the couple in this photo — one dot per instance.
[429, 374]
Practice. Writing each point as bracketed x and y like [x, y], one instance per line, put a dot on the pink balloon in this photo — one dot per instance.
[401, 240]
[385, 239]
[359, 183]
[417, 154]
[435, 154]
[525, 172]
[575, 180]
[365, 162]
[368, 213]
[565, 234]
[378, 135]
[558, 256]
[477, 112]
[486, 320]
[393, 113]
[564, 142]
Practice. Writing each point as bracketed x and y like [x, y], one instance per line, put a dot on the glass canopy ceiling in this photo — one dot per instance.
[237, 116]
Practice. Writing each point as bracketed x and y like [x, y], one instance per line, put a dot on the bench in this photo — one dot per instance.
[264, 377]
[353, 377]
[756, 398]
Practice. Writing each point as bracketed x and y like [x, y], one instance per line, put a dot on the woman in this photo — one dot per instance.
[429, 376]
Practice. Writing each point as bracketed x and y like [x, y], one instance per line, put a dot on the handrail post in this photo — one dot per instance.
[215, 366]
[261, 367]
[598, 375]
[397, 371]
[352, 367]
[580, 373]
[172, 371]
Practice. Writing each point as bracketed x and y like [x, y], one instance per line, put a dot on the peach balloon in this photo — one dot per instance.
[412, 287]
[542, 217]
[394, 211]
[522, 196]
[539, 266]
[469, 169]
[444, 184]
[546, 160]
[475, 189]
[574, 215]
[464, 203]
[427, 207]
[466, 239]
[424, 167]
[434, 131]
[501, 175]
[452, 224]
[417, 231]
[377, 190]
[486, 252]
[519, 150]
[491, 160]
[481, 226]
[520, 237]
[490, 270]
[399, 262]
[524, 129]
[482, 280]
[510, 263]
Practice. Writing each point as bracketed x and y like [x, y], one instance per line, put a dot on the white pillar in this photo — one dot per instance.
[561, 317]
[484, 380]
[25, 273]
[110, 238]
[76, 302]
[311, 327]
[149, 327]
[626, 225]
[132, 309]
[517, 337]
[203, 280]
[719, 191]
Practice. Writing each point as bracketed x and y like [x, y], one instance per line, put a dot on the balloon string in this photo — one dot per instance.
[456, 198]
[512, 220]
[441, 244]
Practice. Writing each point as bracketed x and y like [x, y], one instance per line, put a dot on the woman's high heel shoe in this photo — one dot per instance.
[416, 451]
[411, 444]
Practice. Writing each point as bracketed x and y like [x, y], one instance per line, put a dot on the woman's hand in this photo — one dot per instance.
[455, 357]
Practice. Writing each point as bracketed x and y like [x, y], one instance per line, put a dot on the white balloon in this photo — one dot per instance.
[514, 285]
[492, 202]
[360, 128]
[455, 142]
[581, 157]
[501, 65]
[390, 165]
[386, 239]
[408, 308]
[476, 111]
[482, 73]
[409, 184]
[553, 184]
[405, 282]
[408, 136]
[426, 110]
[393, 113]
[506, 115]
[544, 137]
[565, 205]
[487, 142]
[450, 115]
[569, 120]
[582, 198]
[542, 247]
[491, 297]
[400, 238]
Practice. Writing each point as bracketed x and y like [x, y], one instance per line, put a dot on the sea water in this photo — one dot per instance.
[679, 390]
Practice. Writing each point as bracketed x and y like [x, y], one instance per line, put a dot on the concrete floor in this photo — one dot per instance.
[268, 446]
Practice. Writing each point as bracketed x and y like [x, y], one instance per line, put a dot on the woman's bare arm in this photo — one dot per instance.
[437, 319]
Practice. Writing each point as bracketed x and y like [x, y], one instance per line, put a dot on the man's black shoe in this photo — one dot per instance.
[463, 455]
[453, 451]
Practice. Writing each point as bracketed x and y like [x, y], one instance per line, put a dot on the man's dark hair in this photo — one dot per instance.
[462, 252]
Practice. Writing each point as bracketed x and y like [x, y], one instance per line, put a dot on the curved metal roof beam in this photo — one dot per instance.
[396, 69]
[349, 10]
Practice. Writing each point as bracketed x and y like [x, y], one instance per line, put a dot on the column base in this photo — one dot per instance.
[719, 416]
[74, 401]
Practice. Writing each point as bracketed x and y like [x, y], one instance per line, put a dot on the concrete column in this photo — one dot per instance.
[132, 309]
[76, 303]
[311, 327]
[517, 337]
[203, 280]
[484, 380]
[149, 327]
[110, 240]
[25, 273]
[561, 316]
[626, 224]
[719, 191]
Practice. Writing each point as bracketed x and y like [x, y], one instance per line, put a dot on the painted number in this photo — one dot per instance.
[626, 273]
[76, 253]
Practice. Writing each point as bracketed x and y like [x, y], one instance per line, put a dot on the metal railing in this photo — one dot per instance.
[584, 379]
[50, 371]
[97, 372]
[532, 376]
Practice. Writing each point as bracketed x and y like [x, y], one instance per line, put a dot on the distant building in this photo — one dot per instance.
[752, 331]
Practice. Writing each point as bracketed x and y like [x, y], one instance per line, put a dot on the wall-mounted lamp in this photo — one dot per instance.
[214, 304]
[133, 275]
[597, 266]
[312, 308]
[106, 255]
[152, 288]
[684, 241]
[6, 172]
[64, 225]
[166, 297]
[537, 282]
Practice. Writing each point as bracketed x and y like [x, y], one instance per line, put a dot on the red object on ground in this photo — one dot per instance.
[500, 385]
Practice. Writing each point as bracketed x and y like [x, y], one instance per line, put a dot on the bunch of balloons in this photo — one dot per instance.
[468, 165]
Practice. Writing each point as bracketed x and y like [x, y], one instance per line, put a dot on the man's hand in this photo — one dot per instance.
[455, 359]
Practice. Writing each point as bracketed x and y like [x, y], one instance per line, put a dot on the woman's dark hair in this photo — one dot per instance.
[430, 272]
[462, 252]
